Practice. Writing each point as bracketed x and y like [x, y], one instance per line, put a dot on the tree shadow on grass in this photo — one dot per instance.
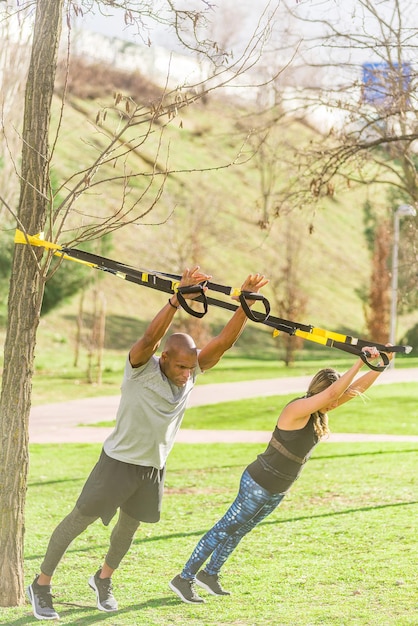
[57, 481]
[359, 453]
[361, 509]
[199, 533]
[313, 459]
[77, 612]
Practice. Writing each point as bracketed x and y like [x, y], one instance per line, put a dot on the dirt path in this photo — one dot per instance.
[60, 422]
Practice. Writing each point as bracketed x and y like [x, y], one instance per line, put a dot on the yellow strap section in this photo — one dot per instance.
[308, 336]
[35, 240]
[38, 240]
[311, 337]
[320, 335]
[335, 336]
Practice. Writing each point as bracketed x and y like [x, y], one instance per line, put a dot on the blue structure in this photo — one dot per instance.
[385, 84]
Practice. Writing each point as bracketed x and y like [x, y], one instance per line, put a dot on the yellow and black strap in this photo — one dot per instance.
[170, 283]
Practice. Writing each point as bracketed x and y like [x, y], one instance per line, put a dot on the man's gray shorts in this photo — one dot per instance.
[136, 489]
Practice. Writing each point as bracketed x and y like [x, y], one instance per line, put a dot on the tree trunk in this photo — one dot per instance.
[378, 314]
[25, 297]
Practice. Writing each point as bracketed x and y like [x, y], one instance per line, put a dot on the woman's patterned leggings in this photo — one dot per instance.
[251, 506]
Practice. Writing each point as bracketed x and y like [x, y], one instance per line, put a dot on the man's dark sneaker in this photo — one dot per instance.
[104, 592]
[41, 599]
[185, 590]
[211, 583]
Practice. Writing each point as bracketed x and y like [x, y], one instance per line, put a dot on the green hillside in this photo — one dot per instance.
[211, 218]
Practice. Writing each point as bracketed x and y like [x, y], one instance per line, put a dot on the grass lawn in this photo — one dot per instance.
[390, 409]
[57, 380]
[385, 409]
[340, 550]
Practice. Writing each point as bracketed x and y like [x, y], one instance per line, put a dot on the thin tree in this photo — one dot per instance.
[376, 297]
[284, 256]
[108, 157]
[354, 83]
[358, 76]
[25, 299]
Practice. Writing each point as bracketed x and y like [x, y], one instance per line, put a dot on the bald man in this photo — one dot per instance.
[129, 475]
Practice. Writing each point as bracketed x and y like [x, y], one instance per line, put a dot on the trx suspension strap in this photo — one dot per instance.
[170, 283]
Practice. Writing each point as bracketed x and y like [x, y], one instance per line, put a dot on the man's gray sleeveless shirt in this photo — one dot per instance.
[149, 415]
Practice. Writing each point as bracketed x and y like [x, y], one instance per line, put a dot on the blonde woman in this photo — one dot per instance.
[264, 483]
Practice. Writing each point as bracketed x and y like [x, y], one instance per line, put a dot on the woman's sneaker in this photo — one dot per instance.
[211, 583]
[185, 590]
[41, 599]
[104, 592]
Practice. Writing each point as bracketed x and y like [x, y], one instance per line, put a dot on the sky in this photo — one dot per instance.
[236, 21]
[245, 15]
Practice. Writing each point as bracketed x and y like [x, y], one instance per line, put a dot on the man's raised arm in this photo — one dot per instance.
[214, 350]
[146, 346]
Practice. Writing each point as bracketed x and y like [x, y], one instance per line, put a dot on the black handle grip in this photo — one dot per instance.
[255, 316]
[364, 355]
[202, 298]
